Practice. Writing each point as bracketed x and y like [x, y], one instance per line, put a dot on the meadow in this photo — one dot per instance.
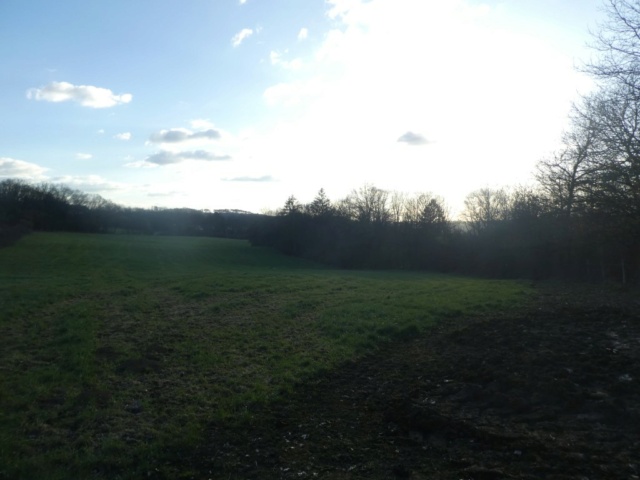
[117, 352]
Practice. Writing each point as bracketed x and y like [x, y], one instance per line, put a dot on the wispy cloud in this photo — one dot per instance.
[239, 37]
[12, 168]
[85, 95]
[202, 124]
[173, 193]
[84, 156]
[276, 59]
[140, 164]
[411, 138]
[264, 178]
[179, 135]
[303, 34]
[168, 158]
[123, 136]
[89, 183]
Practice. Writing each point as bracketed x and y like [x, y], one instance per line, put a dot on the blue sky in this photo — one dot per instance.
[239, 104]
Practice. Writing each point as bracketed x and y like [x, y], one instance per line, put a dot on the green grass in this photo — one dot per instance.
[116, 351]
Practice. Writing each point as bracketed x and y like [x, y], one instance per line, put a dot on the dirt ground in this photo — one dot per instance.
[552, 393]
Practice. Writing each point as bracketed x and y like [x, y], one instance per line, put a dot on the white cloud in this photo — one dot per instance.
[276, 59]
[242, 2]
[101, 131]
[123, 136]
[242, 35]
[85, 95]
[140, 164]
[180, 135]
[12, 168]
[339, 7]
[202, 124]
[167, 158]
[303, 34]
[84, 156]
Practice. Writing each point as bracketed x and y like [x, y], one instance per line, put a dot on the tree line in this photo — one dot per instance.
[54, 207]
[526, 232]
[504, 233]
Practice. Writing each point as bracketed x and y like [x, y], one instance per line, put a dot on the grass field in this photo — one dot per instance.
[116, 352]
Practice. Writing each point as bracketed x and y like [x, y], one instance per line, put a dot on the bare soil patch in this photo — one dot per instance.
[552, 393]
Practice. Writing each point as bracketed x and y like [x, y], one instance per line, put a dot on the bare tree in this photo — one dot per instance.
[397, 206]
[617, 42]
[527, 204]
[426, 210]
[485, 207]
[596, 176]
[615, 109]
[614, 159]
[414, 206]
[346, 208]
[370, 204]
[566, 177]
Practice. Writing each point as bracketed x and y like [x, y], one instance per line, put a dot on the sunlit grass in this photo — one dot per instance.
[117, 350]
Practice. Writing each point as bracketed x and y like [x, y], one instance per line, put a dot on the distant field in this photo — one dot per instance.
[116, 352]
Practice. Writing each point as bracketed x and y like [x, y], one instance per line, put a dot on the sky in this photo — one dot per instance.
[215, 104]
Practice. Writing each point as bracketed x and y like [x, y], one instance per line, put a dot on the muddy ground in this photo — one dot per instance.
[551, 393]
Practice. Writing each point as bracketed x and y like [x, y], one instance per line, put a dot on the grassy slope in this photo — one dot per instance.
[115, 350]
